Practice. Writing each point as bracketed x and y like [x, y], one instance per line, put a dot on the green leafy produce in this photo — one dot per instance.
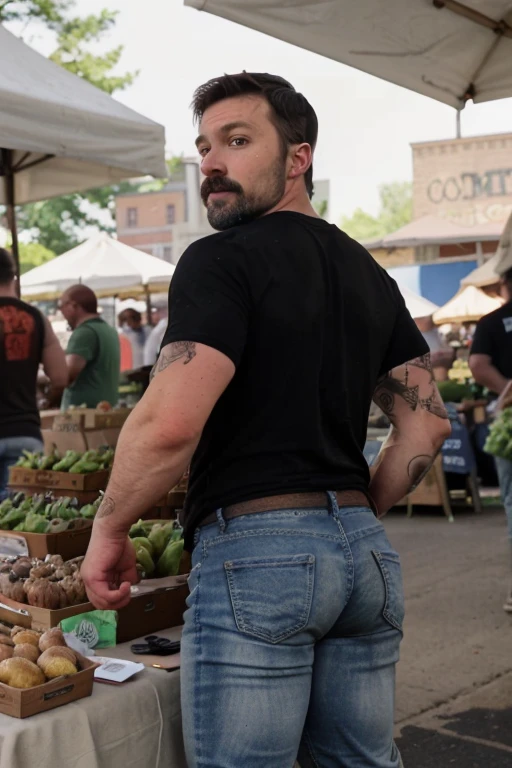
[453, 392]
[35, 523]
[42, 514]
[499, 439]
[163, 542]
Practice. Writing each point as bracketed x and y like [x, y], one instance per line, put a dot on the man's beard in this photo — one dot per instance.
[224, 214]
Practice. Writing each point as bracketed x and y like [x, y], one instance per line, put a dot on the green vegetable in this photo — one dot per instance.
[145, 560]
[499, 439]
[169, 562]
[70, 458]
[89, 511]
[141, 541]
[12, 518]
[158, 538]
[35, 523]
[82, 467]
[137, 529]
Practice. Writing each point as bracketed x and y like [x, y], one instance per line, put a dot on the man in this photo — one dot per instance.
[131, 324]
[92, 354]
[490, 362]
[26, 340]
[441, 354]
[155, 338]
[281, 328]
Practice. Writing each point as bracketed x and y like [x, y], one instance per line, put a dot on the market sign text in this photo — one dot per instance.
[469, 186]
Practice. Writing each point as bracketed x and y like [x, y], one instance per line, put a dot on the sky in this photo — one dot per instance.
[366, 124]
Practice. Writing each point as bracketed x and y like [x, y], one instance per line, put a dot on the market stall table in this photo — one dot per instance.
[133, 725]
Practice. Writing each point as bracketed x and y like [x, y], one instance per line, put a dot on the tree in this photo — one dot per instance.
[58, 224]
[395, 212]
[33, 255]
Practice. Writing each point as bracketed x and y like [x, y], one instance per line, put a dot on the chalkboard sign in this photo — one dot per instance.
[457, 451]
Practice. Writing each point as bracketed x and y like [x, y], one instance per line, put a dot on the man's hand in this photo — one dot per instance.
[109, 570]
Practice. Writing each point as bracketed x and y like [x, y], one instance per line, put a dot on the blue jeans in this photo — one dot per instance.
[291, 638]
[504, 469]
[11, 449]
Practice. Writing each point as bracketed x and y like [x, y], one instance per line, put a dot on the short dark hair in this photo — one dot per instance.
[84, 297]
[292, 115]
[7, 267]
[133, 313]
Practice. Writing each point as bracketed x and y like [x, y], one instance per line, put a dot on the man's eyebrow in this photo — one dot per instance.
[227, 129]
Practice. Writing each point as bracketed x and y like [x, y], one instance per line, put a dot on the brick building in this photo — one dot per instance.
[462, 197]
[165, 222]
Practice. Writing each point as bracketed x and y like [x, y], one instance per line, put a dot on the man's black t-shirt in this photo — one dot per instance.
[310, 321]
[493, 337]
[21, 349]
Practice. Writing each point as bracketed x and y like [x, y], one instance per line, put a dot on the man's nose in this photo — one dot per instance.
[213, 165]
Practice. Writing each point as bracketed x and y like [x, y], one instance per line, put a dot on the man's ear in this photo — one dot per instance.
[301, 157]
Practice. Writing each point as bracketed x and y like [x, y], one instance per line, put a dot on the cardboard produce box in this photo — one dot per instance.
[83, 419]
[149, 611]
[24, 702]
[68, 544]
[47, 480]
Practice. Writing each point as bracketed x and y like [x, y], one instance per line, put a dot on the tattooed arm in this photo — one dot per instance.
[409, 397]
[154, 449]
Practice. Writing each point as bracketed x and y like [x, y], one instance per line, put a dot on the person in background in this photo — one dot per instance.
[490, 362]
[281, 330]
[155, 338]
[130, 322]
[26, 340]
[92, 354]
[441, 354]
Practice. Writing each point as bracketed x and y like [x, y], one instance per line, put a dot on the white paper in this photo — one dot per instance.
[116, 670]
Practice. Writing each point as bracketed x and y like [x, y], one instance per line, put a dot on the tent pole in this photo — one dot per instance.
[7, 171]
[148, 305]
[458, 130]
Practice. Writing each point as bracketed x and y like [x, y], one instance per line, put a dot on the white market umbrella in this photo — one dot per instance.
[417, 305]
[59, 134]
[450, 51]
[484, 275]
[108, 266]
[467, 306]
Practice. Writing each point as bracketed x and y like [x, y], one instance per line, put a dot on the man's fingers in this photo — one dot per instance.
[101, 596]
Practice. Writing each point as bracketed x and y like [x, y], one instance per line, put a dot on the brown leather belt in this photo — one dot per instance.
[317, 500]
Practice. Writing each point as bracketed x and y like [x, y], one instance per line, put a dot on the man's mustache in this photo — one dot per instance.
[219, 184]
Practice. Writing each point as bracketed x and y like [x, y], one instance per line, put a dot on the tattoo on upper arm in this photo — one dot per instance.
[389, 388]
[107, 507]
[176, 350]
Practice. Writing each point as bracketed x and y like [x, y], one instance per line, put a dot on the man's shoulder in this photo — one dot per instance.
[495, 318]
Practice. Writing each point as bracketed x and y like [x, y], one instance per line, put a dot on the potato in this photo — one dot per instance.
[51, 638]
[54, 665]
[20, 673]
[4, 640]
[27, 651]
[16, 629]
[27, 636]
[6, 652]
[58, 651]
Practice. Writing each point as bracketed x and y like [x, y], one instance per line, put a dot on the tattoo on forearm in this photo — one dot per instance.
[106, 508]
[176, 350]
[389, 388]
[418, 468]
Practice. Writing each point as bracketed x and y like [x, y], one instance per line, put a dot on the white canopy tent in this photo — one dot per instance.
[484, 275]
[467, 306]
[108, 266]
[451, 51]
[417, 305]
[59, 134]
[504, 252]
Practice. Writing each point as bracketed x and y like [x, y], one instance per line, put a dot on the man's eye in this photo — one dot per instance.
[203, 151]
[238, 142]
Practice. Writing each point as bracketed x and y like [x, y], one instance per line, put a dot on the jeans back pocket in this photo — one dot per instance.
[271, 596]
[391, 570]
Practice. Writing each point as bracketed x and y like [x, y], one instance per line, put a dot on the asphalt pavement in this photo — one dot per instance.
[454, 679]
